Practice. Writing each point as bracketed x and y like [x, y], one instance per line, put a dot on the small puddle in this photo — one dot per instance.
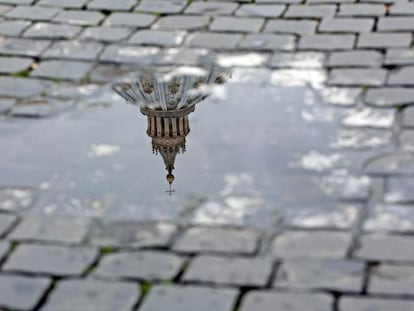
[206, 145]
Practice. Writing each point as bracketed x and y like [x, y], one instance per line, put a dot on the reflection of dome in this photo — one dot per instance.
[167, 99]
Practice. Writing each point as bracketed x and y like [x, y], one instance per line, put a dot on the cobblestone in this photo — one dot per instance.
[162, 6]
[386, 248]
[81, 18]
[237, 24]
[120, 5]
[302, 244]
[396, 24]
[338, 275]
[265, 10]
[407, 139]
[403, 76]
[301, 27]
[129, 20]
[158, 38]
[313, 11]
[389, 97]
[14, 64]
[145, 265]
[93, 295]
[188, 298]
[327, 42]
[355, 59]
[132, 235]
[362, 9]
[400, 190]
[106, 34]
[15, 199]
[391, 279]
[362, 304]
[20, 88]
[267, 300]
[13, 28]
[73, 50]
[390, 218]
[52, 229]
[6, 222]
[384, 40]
[211, 8]
[218, 240]
[51, 260]
[348, 77]
[271, 42]
[346, 25]
[69, 4]
[298, 60]
[4, 249]
[213, 40]
[66, 70]
[229, 271]
[52, 31]
[393, 163]
[408, 117]
[399, 57]
[20, 292]
[33, 13]
[182, 22]
[23, 47]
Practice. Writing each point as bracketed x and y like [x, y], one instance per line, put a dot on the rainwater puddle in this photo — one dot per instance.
[200, 145]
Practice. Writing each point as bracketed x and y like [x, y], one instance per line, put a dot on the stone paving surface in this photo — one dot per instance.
[357, 257]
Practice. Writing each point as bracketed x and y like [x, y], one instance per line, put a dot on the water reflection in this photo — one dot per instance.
[167, 98]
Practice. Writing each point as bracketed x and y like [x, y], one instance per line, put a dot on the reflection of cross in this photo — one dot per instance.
[170, 191]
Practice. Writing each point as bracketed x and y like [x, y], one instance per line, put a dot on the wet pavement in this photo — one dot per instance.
[168, 155]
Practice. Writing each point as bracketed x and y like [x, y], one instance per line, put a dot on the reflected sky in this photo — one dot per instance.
[258, 149]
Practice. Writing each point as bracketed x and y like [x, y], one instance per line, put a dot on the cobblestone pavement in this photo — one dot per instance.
[365, 263]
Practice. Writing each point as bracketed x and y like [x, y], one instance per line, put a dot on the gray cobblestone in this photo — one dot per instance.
[269, 10]
[81, 18]
[386, 248]
[34, 13]
[310, 11]
[144, 265]
[4, 249]
[229, 271]
[408, 117]
[74, 50]
[392, 163]
[20, 292]
[237, 24]
[362, 9]
[6, 222]
[391, 279]
[189, 298]
[327, 42]
[390, 218]
[158, 38]
[407, 137]
[5, 105]
[14, 64]
[338, 275]
[389, 97]
[301, 27]
[39, 108]
[23, 47]
[182, 22]
[66, 70]
[52, 31]
[396, 24]
[70, 4]
[399, 57]
[92, 295]
[218, 240]
[321, 244]
[162, 6]
[298, 60]
[267, 300]
[106, 34]
[132, 235]
[347, 77]
[355, 59]
[363, 304]
[5, 8]
[402, 76]
[273, 42]
[402, 8]
[20, 88]
[119, 5]
[129, 54]
[344, 25]
[211, 8]
[15, 2]
[51, 260]
[367, 117]
[384, 40]
[213, 40]
[52, 229]
[400, 190]
[12, 27]
[130, 20]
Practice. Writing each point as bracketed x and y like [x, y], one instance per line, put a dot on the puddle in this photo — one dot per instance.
[201, 145]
